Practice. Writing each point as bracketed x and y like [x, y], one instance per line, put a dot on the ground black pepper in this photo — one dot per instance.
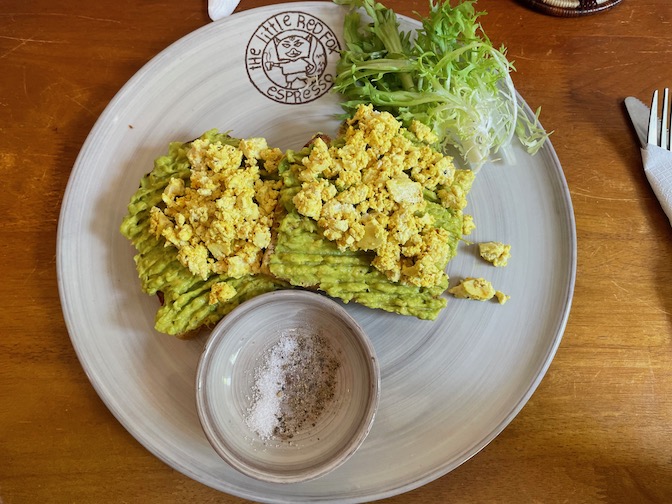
[293, 386]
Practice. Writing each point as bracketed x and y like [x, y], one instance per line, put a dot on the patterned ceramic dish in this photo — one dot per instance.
[287, 387]
[572, 8]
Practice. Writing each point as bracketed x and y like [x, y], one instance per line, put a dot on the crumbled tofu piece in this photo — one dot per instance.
[501, 297]
[403, 190]
[496, 253]
[478, 289]
[220, 221]
[423, 132]
[252, 147]
[453, 197]
[468, 224]
[473, 288]
[221, 292]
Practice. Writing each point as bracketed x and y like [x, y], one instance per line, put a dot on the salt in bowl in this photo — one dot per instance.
[287, 386]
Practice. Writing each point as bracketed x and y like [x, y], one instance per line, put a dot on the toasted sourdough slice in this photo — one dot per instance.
[185, 297]
[331, 248]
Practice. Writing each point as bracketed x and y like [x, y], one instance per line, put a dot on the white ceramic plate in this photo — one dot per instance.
[448, 386]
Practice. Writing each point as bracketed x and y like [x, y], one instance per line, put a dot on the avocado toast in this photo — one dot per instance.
[372, 216]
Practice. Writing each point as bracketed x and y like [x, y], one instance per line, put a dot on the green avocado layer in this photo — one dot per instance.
[185, 306]
[305, 258]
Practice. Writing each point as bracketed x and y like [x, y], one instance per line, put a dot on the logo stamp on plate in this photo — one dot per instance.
[289, 57]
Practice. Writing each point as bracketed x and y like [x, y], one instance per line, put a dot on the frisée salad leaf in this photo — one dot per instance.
[446, 74]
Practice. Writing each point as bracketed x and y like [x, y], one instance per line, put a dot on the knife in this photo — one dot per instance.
[639, 115]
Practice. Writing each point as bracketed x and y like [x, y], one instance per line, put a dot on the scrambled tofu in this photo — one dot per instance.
[478, 289]
[468, 225]
[367, 193]
[501, 297]
[221, 292]
[495, 252]
[220, 219]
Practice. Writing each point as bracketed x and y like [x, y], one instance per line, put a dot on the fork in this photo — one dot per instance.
[661, 139]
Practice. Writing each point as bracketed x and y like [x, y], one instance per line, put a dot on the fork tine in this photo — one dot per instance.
[653, 120]
[664, 134]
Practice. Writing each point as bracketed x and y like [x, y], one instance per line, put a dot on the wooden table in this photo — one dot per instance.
[598, 429]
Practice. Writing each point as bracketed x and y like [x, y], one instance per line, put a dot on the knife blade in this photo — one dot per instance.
[639, 115]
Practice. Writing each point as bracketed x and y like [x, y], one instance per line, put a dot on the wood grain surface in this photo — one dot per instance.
[599, 427]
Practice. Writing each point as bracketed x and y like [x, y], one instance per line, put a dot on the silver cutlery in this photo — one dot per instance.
[660, 138]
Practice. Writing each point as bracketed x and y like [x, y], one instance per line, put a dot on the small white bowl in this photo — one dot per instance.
[327, 408]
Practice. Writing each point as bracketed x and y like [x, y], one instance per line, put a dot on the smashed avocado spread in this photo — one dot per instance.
[200, 295]
[372, 216]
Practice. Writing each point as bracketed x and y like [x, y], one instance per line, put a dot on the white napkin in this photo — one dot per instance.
[658, 169]
[657, 162]
[218, 9]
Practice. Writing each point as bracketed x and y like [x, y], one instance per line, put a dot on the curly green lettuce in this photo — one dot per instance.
[446, 75]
